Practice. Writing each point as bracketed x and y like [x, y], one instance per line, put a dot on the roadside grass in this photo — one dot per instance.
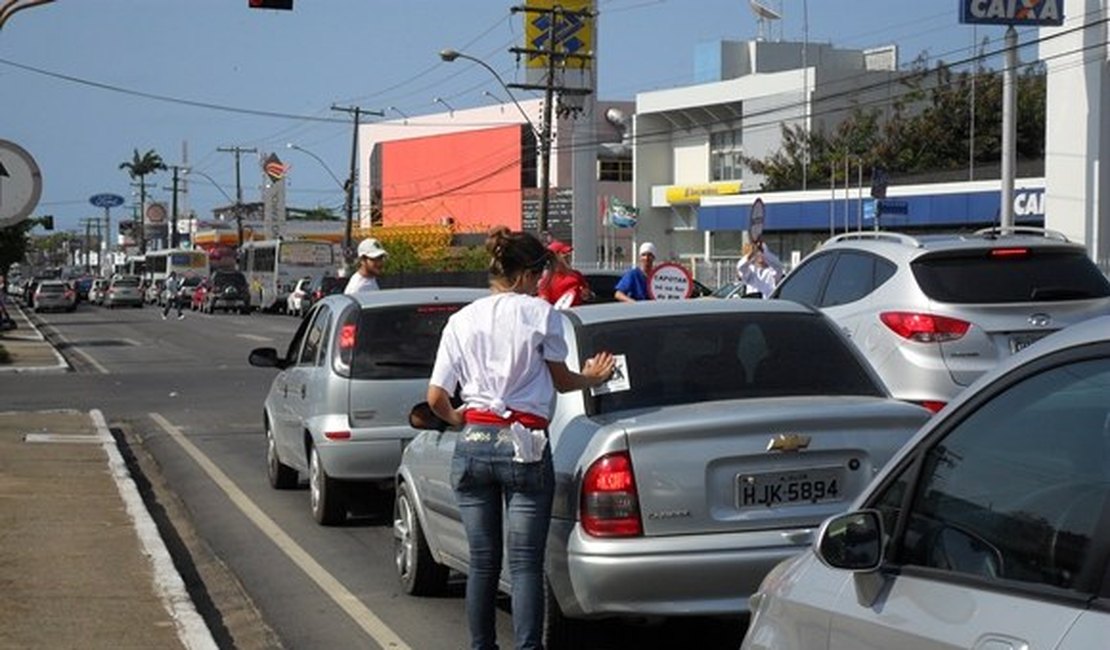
[5, 357]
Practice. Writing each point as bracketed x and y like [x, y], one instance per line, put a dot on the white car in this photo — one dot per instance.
[989, 530]
[297, 302]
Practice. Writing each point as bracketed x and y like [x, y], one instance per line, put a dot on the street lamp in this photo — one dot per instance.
[399, 112]
[543, 136]
[341, 184]
[238, 206]
[440, 100]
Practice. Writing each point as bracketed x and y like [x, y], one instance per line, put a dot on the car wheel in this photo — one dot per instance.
[560, 632]
[324, 493]
[420, 574]
[282, 476]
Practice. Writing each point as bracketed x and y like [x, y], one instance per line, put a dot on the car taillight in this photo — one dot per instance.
[924, 328]
[337, 435]
[610, 505]
[347, 337]
[933, 405]
[1009, 252]
[316, 295]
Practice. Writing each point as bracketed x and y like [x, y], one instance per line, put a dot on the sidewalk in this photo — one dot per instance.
[81, 561]
[27, 349]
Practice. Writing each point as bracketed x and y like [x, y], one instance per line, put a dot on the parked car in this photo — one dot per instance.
[729, 291]
[55, 295]
[97, 290]
[934, 313]
[185, 290]
[325, 285]
[227, 290]
[337, 412]
[297, 302]
[603, 284]
[123, 290]
[152, 292]
[82, 285]
[734, 429]
[988, 530]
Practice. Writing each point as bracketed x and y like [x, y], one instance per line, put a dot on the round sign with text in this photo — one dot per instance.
[755, 227]
[670, 281]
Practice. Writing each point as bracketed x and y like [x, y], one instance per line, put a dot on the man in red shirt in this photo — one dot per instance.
[562, 286]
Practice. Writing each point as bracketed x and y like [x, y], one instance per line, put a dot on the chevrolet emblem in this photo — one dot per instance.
[788, 442]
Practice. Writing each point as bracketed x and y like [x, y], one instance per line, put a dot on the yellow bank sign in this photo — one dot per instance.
[691, 194]
[572, 29]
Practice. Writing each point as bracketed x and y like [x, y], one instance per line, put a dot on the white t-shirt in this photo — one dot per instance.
[496, 348]
[360, 282]
[761, 279]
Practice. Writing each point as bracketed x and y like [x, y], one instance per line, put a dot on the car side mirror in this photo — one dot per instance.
[422, 418]
[265, 358]
[851, 541]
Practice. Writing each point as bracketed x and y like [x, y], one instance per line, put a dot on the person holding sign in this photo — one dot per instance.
[633, 285]
[507, 352]
[562, 286]
[759, 270]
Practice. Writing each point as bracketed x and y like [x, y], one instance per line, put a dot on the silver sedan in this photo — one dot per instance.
[730, 431]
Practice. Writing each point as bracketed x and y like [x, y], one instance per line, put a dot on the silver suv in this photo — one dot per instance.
[932, 313]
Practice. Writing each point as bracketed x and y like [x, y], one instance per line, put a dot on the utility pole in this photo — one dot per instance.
[555, 55]
[349, 186]
[173, 210]
[238, 151]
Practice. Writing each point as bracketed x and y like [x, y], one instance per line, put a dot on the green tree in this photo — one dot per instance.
[140, 166]
[14, 244]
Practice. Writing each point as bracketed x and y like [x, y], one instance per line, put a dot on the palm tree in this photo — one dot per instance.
[138, 167]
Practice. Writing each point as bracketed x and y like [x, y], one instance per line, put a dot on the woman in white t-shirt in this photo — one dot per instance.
[507, 354]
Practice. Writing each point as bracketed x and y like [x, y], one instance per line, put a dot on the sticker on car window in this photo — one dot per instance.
[619, 381]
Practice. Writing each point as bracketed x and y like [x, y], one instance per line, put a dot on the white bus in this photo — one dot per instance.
[272, 267]
[160, 263]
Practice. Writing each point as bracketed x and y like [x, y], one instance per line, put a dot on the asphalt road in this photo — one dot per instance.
[262, 571]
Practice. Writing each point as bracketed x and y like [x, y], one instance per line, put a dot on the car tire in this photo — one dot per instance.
[560, 632]
[418, 571]
[325, 495]
[282, 476]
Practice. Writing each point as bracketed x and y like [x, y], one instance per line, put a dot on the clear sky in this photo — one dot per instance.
[84, 82]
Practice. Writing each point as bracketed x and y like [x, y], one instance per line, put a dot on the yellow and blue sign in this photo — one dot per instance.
[1020, 13]
[572, 28]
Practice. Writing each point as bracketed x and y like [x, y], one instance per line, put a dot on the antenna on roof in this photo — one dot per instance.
[764, 14]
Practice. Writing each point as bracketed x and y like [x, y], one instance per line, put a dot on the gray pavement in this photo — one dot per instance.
[81, 562]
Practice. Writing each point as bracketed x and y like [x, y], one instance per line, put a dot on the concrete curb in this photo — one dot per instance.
[34, 343]
[191, 628]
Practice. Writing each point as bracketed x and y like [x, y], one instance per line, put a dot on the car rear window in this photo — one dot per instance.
[399, 342]
[224, 279]
[691, 359]
[52, 288]
[126, 282]
[1014, 275]
[330, 285]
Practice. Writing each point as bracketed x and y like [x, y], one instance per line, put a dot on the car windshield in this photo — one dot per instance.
[224, 279]
[329, 284]
[691, 359]
[399, 342]
[1032, 275]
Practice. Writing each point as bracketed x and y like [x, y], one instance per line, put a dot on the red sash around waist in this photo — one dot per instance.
[477, 416]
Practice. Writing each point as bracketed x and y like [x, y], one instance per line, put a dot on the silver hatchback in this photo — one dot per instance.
[991, 529]
[337, 412]
[932, 313]
[732, 429]
[124, 290]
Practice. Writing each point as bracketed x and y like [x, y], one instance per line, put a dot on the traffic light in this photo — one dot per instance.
[271, 4]
[47, 222]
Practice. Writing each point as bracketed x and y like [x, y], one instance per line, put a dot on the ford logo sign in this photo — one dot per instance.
[1040, 320]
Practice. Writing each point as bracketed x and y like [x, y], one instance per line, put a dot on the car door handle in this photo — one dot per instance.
[304, 390]
[285, 390]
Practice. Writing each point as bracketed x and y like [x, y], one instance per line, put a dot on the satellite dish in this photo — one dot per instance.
[764, 13]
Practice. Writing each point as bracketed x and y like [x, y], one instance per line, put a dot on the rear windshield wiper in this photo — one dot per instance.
[403, 364]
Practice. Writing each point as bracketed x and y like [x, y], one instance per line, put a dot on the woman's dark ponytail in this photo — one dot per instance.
[512, 253]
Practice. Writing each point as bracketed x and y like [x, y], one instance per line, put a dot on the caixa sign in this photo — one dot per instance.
[1024, 13]
[1029, 203]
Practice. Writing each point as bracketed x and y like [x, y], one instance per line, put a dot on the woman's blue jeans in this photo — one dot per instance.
[490, 486]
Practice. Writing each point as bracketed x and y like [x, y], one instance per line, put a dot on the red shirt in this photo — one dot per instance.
[554, 285]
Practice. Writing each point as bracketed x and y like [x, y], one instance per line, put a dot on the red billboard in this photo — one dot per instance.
[472, 178]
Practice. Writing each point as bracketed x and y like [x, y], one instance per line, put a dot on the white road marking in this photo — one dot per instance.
[191, 628]
[348, 602]
[88, 357]
[254, 337]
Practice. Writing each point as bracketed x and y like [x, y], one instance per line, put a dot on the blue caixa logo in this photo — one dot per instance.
[1024, 13]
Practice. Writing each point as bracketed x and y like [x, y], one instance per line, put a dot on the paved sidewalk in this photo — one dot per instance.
[28, 350]
[81, 561]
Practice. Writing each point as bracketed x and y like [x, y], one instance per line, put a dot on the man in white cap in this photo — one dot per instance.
[371, 262]
[633, 285]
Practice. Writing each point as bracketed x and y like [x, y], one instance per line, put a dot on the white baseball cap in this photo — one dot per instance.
[371, 248]
[648, 248]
